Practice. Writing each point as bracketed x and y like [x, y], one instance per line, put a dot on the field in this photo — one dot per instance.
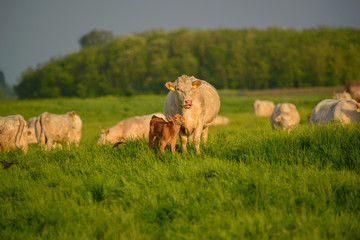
[250, 182]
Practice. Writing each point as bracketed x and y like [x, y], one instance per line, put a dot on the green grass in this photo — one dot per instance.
[249, 182]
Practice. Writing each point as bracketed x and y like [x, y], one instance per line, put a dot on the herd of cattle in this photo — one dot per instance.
[191, 106]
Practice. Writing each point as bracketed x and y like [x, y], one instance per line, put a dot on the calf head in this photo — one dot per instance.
[184, 87]
[177, 119]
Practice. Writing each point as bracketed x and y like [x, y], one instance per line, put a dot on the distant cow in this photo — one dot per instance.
[130, 128]
[13, 133]
[198, 102]
[55, 130]
[329, 110]
[31, 130]
[221, 120]
[342, 96]
[263, 108]
[165, 132]
[356, 96]
[285, 115]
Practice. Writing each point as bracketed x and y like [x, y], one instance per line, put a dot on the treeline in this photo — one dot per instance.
[227, 58]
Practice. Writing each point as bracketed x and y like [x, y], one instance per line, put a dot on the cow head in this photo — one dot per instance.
[103, 135]
[283, 120]
[177, 119]
[184, 87]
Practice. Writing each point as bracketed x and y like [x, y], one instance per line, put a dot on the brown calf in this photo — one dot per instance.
[165, 132]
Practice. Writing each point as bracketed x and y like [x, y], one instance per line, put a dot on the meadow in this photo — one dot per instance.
[250, 181]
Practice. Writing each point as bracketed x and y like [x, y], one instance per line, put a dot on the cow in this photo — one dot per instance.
[128, 129]
[54, 130]
[263, 108]
[356, 96]
[198, 102]
[285, 115]
[330, 110]
[13, 133]
[221, 120]
[31, 130]
[165, 132]
[342, 96]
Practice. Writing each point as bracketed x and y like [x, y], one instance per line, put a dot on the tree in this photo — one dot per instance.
[95, 38]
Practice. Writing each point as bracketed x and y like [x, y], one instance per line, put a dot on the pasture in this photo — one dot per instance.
[250, 182]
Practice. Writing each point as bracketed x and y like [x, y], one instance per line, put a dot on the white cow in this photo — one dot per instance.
[127, 129]
[342, 96]
[54, 130]
[31, 130]
[221, 120]
[263, 108]
[329, 110]
[285, 115]
[13, 133]
[198, 102]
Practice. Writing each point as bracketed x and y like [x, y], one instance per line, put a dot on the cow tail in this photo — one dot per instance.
[42, 139]
[19, 133]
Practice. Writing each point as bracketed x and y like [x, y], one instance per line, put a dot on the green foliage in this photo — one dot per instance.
[250, 182]
[227, 58]
[95, 37]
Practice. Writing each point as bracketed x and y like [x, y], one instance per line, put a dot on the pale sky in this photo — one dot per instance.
[33, 31]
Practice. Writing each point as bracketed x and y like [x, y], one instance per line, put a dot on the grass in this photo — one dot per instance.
[249, 182]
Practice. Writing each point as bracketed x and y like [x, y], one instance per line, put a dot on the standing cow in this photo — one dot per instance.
[329, 110]
[53, 129]
[198, 102]
[13, 133]
[31, 130]
[285, 115]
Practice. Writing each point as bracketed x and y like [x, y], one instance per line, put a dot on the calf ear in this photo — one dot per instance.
[170, 86]
[196, 83]
[170, 118]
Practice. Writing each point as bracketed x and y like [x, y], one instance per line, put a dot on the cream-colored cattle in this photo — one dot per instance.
[263, 108]
[285, 115]
[31, 130]
[221, 120]
[329, 110]
[356, 96]
[13, 133]
[342, 96]
[198, 102]
[128, 129]
[56, 129]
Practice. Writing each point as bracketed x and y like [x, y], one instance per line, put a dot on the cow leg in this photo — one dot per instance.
[204, 134]
[183, 138]
[197, 134]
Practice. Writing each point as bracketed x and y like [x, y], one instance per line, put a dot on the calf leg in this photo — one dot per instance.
[151, 138]
[156, 144]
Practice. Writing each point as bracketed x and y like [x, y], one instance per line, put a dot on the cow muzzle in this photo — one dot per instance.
[188, 104]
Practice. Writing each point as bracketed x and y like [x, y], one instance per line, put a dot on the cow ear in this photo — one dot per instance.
[357, 107]
[278, 119]
[196, 83]
[170, 86]
[107, 131]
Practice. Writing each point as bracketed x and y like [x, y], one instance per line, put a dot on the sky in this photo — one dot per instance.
[33, 31]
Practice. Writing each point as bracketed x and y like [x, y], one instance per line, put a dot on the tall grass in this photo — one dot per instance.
[250, 182]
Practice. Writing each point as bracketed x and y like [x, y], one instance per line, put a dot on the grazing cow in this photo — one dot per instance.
[263, 108]
[285, 115]
[329, 110]
[127, 129]
[13, 133]
[198, 102]
[342, 96]
[221, 120]
[54, 130]
[31, 130]
[165, 132]
[356, 96]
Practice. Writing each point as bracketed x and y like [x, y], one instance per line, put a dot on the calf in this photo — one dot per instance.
[165, 132]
